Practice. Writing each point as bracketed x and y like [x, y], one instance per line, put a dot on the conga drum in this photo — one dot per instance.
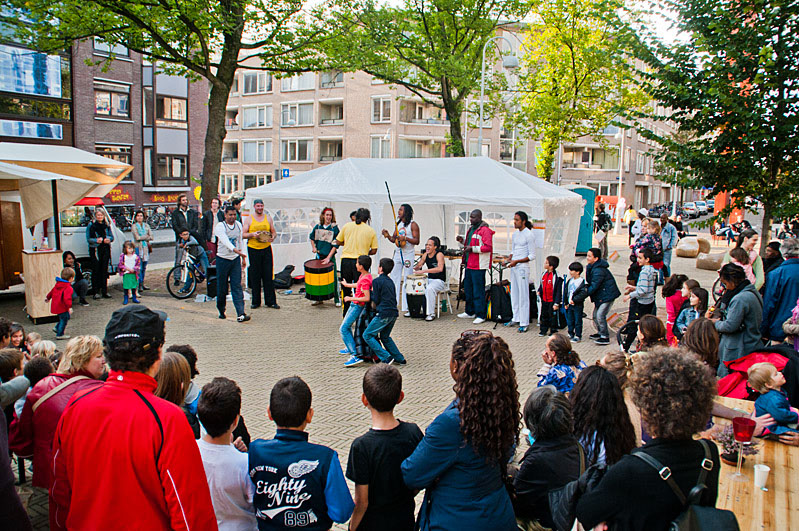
[415, 286]
[320, 282]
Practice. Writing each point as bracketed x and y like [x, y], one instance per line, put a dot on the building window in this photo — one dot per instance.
[296, 151]
[256, 117]
[585, 158]
[331, 79]
[296, 113]
[147, 106]
[118, 153]
[420, 149]
[257, 83]
[111, 99]
[234, 86]
[605, 188]
[330, 150]
[23, 129]
[381, 109]
[257, 150]
[172, 168]
[485, 152]
[639, 163]
[171, 112]
[103, 48]
[304, 81]
[228, 184]
[381, 147]
[627, 155]
[230, 152]
[27, 72]
[252, 181]
[148, 166]
[512, 149]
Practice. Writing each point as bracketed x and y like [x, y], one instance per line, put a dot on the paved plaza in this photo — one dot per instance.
[300, 339]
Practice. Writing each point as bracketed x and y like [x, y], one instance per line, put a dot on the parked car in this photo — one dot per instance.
[701, 206]
[690, 210]
[711, 204]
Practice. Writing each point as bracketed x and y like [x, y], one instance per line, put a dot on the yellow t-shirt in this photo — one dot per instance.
[255, 226]
[356, 239]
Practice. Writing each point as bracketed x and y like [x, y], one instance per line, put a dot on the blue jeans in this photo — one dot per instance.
[203, 256]
[229, 270]
[381, 327]
[353, 312]
[601, 318]
[63, 319]
[474, 288]
[574, 319]
[666, 271]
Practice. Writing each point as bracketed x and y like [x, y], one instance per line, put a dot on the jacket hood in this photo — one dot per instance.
[59, 279]
[601, 263]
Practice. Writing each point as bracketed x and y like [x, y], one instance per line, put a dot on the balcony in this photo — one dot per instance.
[331, 79]
[415, 112]
[331, 113]
[232, 119]
[330, 150]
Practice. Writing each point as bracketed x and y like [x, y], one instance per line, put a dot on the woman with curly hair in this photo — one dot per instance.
[674, 391]
[461, 460]
[601, 422]
[651, 333]
[562, 365]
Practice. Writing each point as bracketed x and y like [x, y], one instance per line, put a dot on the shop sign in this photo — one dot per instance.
[165, 198]
[117, 195]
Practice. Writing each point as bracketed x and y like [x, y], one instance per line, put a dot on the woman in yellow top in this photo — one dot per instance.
[259, 231]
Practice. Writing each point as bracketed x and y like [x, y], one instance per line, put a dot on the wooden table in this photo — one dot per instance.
[756, 509]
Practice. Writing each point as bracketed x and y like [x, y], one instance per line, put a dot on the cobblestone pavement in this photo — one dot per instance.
[300, 339]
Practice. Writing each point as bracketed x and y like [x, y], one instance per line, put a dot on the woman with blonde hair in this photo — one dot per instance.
[82, 364]
[173, 378]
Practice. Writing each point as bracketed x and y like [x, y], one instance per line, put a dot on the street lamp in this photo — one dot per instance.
[509, 62]
[289, 123]
[620, 135]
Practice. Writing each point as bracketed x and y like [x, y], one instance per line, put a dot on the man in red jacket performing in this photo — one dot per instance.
[477, 252]
[122, 457]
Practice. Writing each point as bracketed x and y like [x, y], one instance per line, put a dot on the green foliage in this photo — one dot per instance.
[731, 86]
[578, 75]
[431, 47]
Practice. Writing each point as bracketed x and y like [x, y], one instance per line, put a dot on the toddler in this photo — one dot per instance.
[60, 299]
[740, 257]
[129, 265]
[768, 381]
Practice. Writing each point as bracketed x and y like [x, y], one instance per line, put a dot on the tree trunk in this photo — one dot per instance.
[454, 114]
[546, 159]
[214, 135]
[765, 238]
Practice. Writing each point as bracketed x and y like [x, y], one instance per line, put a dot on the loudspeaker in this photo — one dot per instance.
[210, 282]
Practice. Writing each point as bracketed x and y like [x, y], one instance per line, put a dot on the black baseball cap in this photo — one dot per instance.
[136, 323]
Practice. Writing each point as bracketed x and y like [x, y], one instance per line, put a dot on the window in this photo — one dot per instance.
[330, 150]
[147, 106]
[257, 83]
[304, 81]
[605, 188]
[485, 152]
[630, 132]
[381, 109]
[296, 151]
[420, 149]
[234, 87]
[31, 129]
[381, 147]
[252, 181]
[296, 114]
[256, 117]
[639, 163]
[331, 79]
[116, 49]
[228, 184]
[28, 72]
[148, 166]
[257, 150]
[230, 152]
[170, 112]
[627, 153]
[512, 149]
[586, 158]
[232, 118]
[331, 113]
[172, 167]
[117, 153]
[111, 99]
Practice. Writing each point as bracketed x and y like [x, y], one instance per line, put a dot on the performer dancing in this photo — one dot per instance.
[520, 259]
[405, 237]
[433, 260]
[259, 231]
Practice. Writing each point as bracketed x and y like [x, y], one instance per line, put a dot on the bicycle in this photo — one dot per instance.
[182, 280]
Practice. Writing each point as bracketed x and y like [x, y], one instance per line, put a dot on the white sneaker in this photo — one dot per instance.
[465, 315]
[429, 317]
[407, 314]
[479, 320]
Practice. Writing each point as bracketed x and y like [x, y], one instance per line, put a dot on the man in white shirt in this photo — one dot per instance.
[225, 464]
[519, 261]
[230, 259]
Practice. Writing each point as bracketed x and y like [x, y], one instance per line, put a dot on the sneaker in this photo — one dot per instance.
[407, 314]
[338, 305]
[84, 302]
[522, 329]
[465, 315]
[316, 303]
[429, 317]
[274, 306]
[571, 337]
[62, 336]
[107, 296]
[389, 362]
[255, 306]
[577, 339]
[344, 351]
[542, 333]
[243, 318]
[403, 361]
[602, 341]
[478, 320]
[511, 323]
[594, 337]
[222, 315]
[353, 361]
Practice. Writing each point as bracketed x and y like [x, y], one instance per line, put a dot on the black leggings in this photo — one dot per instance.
[260, 273]
[101, 256]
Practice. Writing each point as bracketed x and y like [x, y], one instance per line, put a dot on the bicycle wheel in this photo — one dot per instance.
[718, 290]
[626, 335]
[180, 282]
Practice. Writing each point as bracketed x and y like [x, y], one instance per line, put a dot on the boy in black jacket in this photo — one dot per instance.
[574, 295]
[551, 292]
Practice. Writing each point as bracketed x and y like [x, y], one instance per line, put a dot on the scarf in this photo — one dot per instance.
[141, 228]
[467, 242]
[724, 303]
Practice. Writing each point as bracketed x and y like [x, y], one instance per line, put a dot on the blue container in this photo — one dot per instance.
[585, 238]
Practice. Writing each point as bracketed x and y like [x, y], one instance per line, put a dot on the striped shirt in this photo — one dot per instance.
[645, 288]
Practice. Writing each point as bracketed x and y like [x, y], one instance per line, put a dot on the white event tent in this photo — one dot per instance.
[442, 192]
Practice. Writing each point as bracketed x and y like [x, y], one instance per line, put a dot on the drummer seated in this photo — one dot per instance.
[432, 264]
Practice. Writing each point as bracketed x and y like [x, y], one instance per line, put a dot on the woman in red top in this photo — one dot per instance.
[672, 292]
[32, 434]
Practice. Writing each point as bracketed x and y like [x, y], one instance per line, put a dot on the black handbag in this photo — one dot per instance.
[694, 517]
[563, 501]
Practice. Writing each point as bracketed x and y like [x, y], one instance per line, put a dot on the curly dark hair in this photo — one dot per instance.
[562, 347]
[132, 355]
[654, 332]
[702, 338]
[600, 415]
[489, 397]
[674, 391]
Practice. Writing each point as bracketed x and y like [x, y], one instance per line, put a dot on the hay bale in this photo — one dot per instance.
[688, 247]
[709, 262]
[704, 245]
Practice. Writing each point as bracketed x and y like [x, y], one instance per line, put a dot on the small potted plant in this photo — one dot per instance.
[729, 446]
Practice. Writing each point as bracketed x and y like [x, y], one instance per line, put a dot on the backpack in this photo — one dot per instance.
[499, 306]
[694, 517]
[283, 279]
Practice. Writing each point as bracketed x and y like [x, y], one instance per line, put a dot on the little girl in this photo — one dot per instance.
[673, 293]
[129, 264]
[768, 381]
[562, 364]
[740, 257]
[698, 306]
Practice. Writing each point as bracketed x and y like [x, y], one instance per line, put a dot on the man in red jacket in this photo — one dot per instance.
[477, 254]
[123, 457]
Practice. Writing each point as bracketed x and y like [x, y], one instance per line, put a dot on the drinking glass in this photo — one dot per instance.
[744, 429]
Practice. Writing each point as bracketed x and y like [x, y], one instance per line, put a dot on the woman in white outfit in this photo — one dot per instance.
[435, 269]
[406, 238]
[519, 263]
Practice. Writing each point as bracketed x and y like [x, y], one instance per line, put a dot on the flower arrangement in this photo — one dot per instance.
[725, 436]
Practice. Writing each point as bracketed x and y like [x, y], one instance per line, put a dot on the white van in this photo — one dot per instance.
[74, 223]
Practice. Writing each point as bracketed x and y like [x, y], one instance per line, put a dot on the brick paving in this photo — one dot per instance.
[300, 339]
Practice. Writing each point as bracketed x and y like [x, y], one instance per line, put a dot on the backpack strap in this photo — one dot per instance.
[665, 474]
[157, 421]
[56, 389]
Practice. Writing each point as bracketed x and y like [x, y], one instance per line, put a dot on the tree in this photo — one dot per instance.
[431, 47]
[196, 38]
[577, 74]
[731, 88]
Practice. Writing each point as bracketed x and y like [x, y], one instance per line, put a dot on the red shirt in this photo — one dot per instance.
[116, 467]
[547, 287]
[364, 285]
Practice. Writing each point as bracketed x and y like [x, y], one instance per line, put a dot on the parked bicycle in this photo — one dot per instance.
[182, 280]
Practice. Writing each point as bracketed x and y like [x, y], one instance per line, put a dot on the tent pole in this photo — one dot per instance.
[56, 224]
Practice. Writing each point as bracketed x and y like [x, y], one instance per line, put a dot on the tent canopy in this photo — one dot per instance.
[441, 191]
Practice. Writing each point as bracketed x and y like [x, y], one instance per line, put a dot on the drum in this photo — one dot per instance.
[320, 282]
[415, 284]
